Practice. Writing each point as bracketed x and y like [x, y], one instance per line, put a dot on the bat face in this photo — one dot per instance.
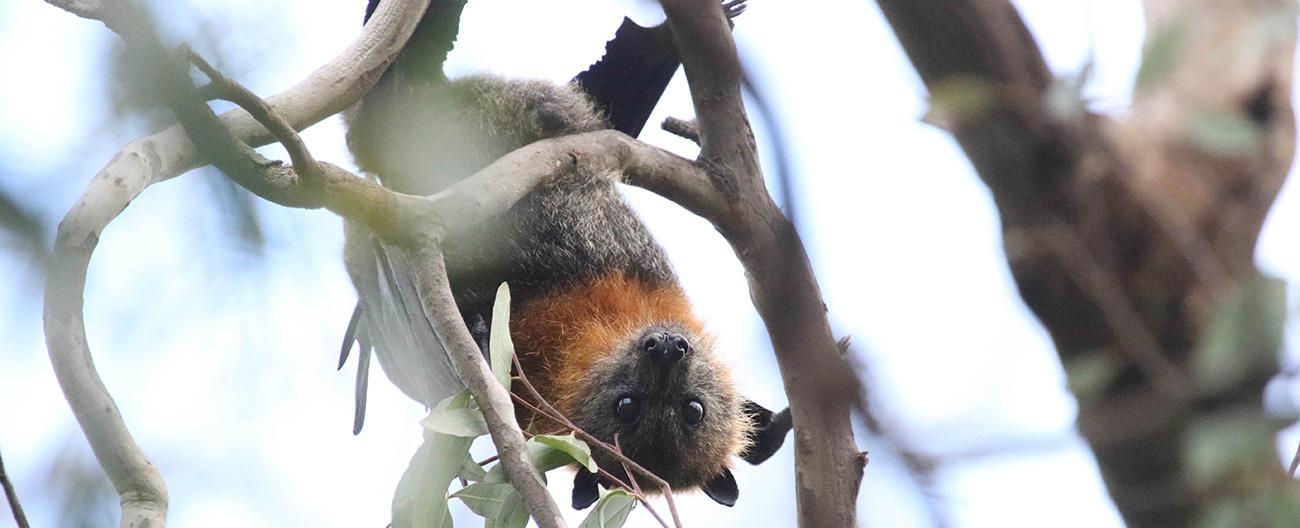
[670, 404]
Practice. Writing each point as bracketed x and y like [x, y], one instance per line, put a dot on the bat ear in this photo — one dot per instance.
[722, 488]
[584, 489]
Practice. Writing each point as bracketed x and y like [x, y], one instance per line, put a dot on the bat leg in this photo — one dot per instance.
[767, 434]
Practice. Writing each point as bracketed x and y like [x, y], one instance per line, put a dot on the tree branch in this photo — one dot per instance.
[88, 9]
[12, 497]
[493, 400]
[726, 187]
[818, 381]
[161, 156]
[685, 129]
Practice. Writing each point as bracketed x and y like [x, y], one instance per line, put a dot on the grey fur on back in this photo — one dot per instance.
[422, 139]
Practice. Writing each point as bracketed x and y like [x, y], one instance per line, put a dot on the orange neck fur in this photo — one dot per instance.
[557, 336]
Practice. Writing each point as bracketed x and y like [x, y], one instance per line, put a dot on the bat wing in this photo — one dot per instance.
[627, 82]
[390, 320]
[401, 334]
[433, 39]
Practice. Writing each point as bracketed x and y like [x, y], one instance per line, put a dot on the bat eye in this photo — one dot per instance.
[693, 412]
[627, 409]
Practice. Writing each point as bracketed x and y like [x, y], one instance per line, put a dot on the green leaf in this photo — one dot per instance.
[1065, 97]
[1161, 54]
[500, 347]
[1243, 337]
[513, 514]
[577, 450]
[1233, 447]
[485, 498]
[611, 510]
[548, 453]
[1278, 506]
[960, 100]
[1225, 133]
[421, 496]
[1088, 375]
[497, 502]
[471, 470]
[457, 416]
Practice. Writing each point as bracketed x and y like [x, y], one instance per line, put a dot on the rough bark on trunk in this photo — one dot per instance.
[1132, 238]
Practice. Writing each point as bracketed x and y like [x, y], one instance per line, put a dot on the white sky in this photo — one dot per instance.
[224, 369]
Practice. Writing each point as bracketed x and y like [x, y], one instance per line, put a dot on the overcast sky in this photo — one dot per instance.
[222, 362]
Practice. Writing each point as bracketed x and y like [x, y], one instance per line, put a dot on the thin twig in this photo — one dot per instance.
[632, 487]
[224, 88]
[1121, 316]
[12, 496]
[630, 477]
[587, 437]
[688, 129]
[636, 488]
[1295, 461]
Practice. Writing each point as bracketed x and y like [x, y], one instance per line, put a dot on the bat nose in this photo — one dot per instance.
[663, 344]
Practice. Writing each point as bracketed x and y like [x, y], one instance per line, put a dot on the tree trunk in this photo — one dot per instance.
[1132, 239]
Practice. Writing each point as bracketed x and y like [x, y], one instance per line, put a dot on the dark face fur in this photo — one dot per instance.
[670, 403]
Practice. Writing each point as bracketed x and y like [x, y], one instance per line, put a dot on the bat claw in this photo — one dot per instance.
[735, 7]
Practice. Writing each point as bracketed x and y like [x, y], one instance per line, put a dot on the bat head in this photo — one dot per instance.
[671, 405]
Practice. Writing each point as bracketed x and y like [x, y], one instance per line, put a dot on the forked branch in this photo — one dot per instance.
[141, 163]
[725, 187]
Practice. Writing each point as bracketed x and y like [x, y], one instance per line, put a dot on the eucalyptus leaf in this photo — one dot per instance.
[611, 511]
[1088, 375]
[959, 100]
[546, 457]
[513, 514]
[1278, 507]
[1243, 337]
[1225, 133]
[1065, 98]
[576, 449]
[500, 347]
[457, 416]
[421, 497]
[485, 498]
[1233, 446]
[1161, 54]
[497, 502]
[471, 470]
